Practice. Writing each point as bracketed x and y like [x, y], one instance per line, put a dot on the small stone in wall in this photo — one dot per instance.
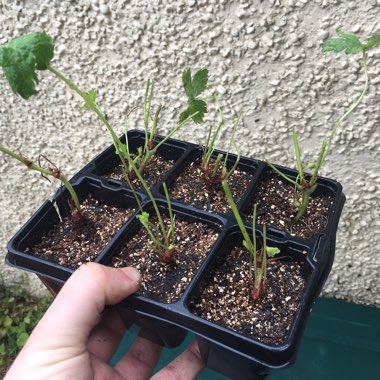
[104, 9]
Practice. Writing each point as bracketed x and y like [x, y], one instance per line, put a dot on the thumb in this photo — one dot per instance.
[78, 306]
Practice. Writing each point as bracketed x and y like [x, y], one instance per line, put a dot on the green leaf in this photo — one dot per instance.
[184, 115]
[143, 218]
[272, 251]
[187, 85]
[247, 245]
[21, 57]
[349, 43]
[90, 97]
[193, 88]
[7, 322]
[373, 41]
[197, 105]
[200, 81]
[22, 338]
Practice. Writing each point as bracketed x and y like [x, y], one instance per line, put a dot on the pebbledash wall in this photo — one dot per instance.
[265, 60]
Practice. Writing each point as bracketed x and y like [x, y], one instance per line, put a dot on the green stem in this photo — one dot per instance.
[91, 104]
[217, 164]
[146, 109]
[209, 149]
[154, 125]
[254, 253]
[232, 139]
[171, 216]
[149, 153]
[156, 241]
[296, 184]
[32, 166]
[303, 207]
[351, 108]
[236, 213]
[314, 177]
[298, 155]
[228, 174]
[205, 156]
[71, 190]
[264, 259]
[150, 195]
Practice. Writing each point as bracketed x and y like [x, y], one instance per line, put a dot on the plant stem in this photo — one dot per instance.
[296, 184]
[146, 188]
[351, 108]
[253, 254]
[147, 104]
[232, 142]
[264, 258]
[91, 104]
[155, 122]
[150, 152]
[236, 213]
[32, 166]
[298, 155]
[171, 216]
[305, 202]
[314, 177]
[210, 146]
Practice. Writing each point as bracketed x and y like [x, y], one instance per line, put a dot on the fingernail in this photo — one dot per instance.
[132, 273]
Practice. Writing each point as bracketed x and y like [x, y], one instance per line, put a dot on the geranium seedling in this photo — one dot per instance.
[215, 171]
[22, 57]
[51, 171]
[258, 257]
[305, 185]
[163, 238]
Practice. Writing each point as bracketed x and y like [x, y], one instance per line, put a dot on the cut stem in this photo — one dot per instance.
[56, 174]
[92, 105]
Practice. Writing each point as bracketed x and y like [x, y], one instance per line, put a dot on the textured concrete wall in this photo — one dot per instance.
[264, 58]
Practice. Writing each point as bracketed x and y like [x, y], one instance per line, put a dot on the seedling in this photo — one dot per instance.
[305, 185]
[258, 257]
[194, 86]
[163, 237]
[51, 171]
[214, 170]
[23, 56]
[144, 153]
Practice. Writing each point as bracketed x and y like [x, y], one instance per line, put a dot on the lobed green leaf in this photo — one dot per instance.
[194, 87]
[272, 251]
[197, 105]
[143, 218]
[187, 84]
[349, 43]
[199, 82]
[22, 57]
[372, 42]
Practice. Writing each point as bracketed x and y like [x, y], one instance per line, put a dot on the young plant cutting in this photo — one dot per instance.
[245, 290]
[51, 171]
[200, 183]
[23, 56]
[258, 257]
[305, 221]
[240, 294]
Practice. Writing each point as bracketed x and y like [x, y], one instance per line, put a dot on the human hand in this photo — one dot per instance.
[75, 339]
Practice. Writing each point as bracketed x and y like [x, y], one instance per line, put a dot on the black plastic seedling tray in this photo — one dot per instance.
[49, 215]
[167, 323]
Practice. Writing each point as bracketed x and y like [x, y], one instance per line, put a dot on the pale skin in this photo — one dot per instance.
[76, 338]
